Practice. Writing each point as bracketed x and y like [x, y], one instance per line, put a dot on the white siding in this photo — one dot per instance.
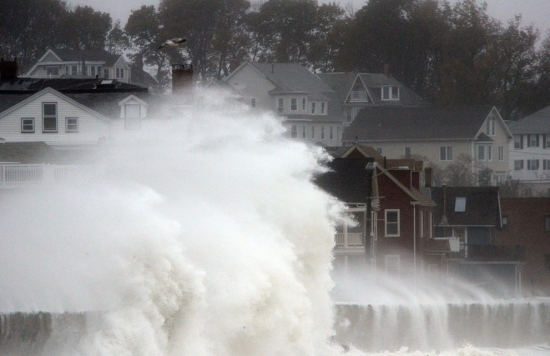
[91, 127]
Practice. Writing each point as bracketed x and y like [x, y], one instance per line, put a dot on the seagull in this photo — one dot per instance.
[174, 42]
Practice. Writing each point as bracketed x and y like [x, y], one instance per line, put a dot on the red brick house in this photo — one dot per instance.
[526, 221]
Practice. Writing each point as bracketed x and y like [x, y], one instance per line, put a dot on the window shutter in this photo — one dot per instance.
[544, 141]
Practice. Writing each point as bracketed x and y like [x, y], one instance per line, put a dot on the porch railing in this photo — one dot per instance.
[354, 239]
[14, 174]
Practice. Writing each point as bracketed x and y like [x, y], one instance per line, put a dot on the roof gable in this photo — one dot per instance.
[538, 122]
[417, 123]
[60, 96]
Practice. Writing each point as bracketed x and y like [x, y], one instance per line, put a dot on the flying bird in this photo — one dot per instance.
[174, 42]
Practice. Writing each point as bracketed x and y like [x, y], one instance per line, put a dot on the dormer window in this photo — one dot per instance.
[358, 93]
[119, 73]
[390, 92]
[49, 117]
[52, 71]
[133, 109]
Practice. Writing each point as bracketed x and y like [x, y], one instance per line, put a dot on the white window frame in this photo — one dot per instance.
[481, 153]
[106, 73]
[518, 142]
[390, 92]
[546, 164]
[71, 126]
[391, 260]
[397, 223]
[29, 123]
[518, 165]
[294, 131]
[280, 105]
[533, 164]
[501, 153]
[445, 153]
[119, 73]
[313, 132]
[323, 107]
[322, 132]
[491, 127]
[313, 107]
[49, 117]
[533, 140]
[304, 131]
[132, 122]
[293, 104]
[52, 71]
[304, 107]
[331, 132]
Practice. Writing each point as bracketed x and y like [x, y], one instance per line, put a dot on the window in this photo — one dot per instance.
[407, 152]
[106, 73]
[312, 132]
[27, 124]
[379, 150]
[280, 105]
[92, 70]
[49, 117]
[501, 153]
[518, 142]
[491, 127]
[481, 153]
[74, 70]
[390, 93]
[421, 225]
[331, 132]
[546, 141]
[392, 222]
[504, 222]
[392, 263]
[322, 108]
[71, 124]
[533, 140]
[547, 262]
[304, 104]
[313, 108]
[547, 223]
[460, 205]
[133, 116]
[293, 131]
[52, 71]
[119, 73]
[489, 153]
[322, 132]
[446, 153]
[518, 165]
[532, 164]
[304, 131]
[293, 104]
[546, 164]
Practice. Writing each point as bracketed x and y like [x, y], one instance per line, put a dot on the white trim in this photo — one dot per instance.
[398, 222]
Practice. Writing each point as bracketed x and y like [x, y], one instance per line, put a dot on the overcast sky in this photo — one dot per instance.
[536, 12]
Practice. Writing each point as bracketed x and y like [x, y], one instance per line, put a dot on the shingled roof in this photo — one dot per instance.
[69, 55]
[347, 179]
[417, 123]
[538, 122]
[482, 206]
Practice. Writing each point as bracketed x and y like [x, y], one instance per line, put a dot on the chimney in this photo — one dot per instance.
[8, 69]
[428, 176]
[182, 78]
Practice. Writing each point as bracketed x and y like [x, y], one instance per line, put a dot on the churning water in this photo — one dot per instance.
[204, 236]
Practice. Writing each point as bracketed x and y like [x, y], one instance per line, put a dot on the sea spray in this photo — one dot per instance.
[204, 236]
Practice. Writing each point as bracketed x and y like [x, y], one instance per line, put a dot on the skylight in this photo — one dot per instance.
[460, 205]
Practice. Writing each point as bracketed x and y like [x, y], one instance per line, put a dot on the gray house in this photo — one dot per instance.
[440, 134]
[358, 90]
[310, 108]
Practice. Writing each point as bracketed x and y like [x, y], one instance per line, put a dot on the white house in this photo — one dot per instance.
[530, 151]
[63, 63]
[310, 108]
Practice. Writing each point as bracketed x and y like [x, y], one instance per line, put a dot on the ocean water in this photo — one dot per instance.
[204, 236]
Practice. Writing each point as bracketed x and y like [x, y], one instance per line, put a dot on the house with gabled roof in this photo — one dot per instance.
[358, 90]
[440, 134]
[308, 106]
[530, 152]
[65, 63]
[384, 197]
[467, 224]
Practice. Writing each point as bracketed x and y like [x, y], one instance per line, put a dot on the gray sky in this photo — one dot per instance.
[536, 12]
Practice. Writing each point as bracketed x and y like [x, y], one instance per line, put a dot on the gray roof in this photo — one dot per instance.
[342, 83]
[293, 78]
[417, 123]
[482, 205]
[538, 122]
[88, 92]
[69, 55]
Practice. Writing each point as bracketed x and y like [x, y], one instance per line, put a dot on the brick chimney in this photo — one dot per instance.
[8, 70]
[182, 78]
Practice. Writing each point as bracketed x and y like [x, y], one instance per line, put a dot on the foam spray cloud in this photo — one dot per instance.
[206, 236]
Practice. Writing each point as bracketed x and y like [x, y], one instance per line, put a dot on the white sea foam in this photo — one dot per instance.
[206, 237]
